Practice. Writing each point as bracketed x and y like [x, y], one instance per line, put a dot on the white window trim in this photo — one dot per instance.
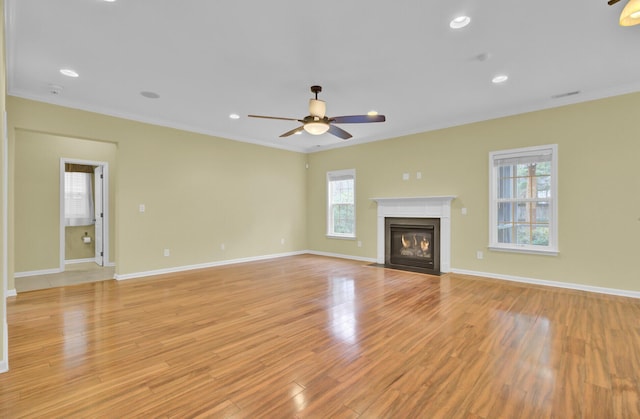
[338, 173]
[552, 248]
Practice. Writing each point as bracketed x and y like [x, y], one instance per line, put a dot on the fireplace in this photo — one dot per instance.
[413, 244]
[417, 214]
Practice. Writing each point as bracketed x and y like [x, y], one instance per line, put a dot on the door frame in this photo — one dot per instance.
[105, 207]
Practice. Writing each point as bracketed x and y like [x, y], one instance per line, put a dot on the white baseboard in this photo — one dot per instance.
[33, 273]
[72, 261]
[341, 256]
[513, 278]
[11, 293]
[546, 283]
[203, 265]
[110, 264]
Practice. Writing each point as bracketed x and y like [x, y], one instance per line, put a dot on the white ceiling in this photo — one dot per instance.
[207, 59]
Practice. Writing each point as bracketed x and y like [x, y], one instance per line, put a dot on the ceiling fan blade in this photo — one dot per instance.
[293, 131]
[274, 117]
[339, 132]
[357, 119]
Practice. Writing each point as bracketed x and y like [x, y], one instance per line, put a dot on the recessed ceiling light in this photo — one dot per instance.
[234, 116]
[69, 72]
[500, 78]
[150, 95]
[372, 113]
[109, 1]
[459, 22]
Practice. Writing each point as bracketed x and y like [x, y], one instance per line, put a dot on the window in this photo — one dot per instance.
[524, 199]
[78, 199]
[341, 209]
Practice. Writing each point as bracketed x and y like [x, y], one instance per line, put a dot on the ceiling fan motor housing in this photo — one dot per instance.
[317, 108]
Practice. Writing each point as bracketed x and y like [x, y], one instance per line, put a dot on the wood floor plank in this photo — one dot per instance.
[310, 336]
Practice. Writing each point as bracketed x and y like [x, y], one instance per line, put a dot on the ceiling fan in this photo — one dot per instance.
[317, 122]
[630, 15]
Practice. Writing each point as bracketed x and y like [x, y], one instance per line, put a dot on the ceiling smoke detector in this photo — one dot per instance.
[150, 95]
[55, 89]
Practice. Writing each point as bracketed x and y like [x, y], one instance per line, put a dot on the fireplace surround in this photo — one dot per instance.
[412, 244]
[418, 208]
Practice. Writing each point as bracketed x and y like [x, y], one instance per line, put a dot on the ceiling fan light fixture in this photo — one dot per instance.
[316, 127]
[630, 14]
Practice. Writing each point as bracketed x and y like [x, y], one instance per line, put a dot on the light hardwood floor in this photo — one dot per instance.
[309, 336]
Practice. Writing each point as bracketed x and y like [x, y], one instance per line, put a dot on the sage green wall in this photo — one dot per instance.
[199, 191]
[599, 184]
[37, 194]
[202, 191]
[75, 247]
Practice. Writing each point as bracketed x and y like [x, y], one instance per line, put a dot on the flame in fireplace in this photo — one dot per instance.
[413, 249]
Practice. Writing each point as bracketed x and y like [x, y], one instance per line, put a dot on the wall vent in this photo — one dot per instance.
[561, 95]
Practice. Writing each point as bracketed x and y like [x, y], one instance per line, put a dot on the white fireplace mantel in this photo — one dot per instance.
[418, 207]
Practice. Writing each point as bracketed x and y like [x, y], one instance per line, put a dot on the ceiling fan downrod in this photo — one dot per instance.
[318, 89]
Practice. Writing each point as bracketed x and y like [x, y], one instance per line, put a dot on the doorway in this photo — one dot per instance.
[84, 214]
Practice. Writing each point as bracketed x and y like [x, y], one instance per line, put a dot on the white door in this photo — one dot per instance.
[99, 214]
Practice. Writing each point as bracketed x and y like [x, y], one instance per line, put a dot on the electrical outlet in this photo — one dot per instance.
[464, 211]
[359, 243]
[405, 176]
[167, 252]
[282, 241]
[479, 254]
[418, 175]
[222, 246]
[142, 208]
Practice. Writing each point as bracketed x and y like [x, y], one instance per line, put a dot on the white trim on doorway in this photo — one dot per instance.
[4, 361]
[105, 205]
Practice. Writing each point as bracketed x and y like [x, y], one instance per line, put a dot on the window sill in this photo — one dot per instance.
[547, 252]
[334, 236]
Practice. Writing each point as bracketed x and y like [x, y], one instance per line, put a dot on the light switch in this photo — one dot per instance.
[464, 211]
[418, 175]
[142, 208]
[405, 176]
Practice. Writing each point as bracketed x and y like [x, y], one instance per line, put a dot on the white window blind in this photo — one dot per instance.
[341, 217]
[78, 199]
